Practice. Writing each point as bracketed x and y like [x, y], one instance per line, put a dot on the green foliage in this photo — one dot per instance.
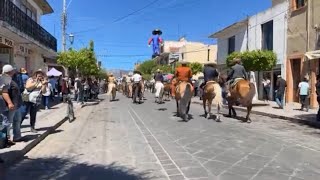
[102, 74]
[256, 60]
[196, 67]
[83, 61]
[147, 76]
[147, 67]
[163, 68]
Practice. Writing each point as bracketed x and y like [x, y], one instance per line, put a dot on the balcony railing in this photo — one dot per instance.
[11, 14]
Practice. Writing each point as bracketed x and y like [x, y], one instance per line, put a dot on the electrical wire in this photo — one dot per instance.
[119, 19]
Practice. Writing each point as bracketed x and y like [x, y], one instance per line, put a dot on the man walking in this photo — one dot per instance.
[304, 93]
[12, 96]
[318, 96]
[281, 88]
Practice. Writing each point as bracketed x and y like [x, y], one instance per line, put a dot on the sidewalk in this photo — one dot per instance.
[47, 122]
[290, 112]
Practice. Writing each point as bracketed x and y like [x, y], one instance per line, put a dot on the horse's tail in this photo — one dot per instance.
[252, 91]
[218, 95]
[185, 100]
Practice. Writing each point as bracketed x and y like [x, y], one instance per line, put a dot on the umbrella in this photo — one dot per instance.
[54, 72]
[169, 76]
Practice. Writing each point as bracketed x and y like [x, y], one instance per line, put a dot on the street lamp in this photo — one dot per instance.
[71, 38]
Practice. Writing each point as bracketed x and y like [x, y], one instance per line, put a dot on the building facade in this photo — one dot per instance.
[266, 30]
[23, 41]
[303, 39]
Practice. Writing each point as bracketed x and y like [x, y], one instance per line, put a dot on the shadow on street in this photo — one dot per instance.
[66, 169]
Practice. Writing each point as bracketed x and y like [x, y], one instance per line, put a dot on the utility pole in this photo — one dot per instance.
[208, 53]
[64, 25]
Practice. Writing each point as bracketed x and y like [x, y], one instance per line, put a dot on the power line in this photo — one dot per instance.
[69, 3]
[119, 19]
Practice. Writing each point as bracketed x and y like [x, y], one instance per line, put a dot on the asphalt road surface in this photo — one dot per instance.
[125, 141]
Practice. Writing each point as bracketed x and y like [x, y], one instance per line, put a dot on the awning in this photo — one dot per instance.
[313, 54]
[54, 72]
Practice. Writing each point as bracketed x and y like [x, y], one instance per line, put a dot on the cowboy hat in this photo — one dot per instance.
[157, 31]
[210, 63]
[23, 70]
[236, 60]
[158, 70]
[184, 62]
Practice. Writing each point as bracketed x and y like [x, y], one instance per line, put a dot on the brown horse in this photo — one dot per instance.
[183, 99]
[212, 92]
[167, 91]
[243, 91]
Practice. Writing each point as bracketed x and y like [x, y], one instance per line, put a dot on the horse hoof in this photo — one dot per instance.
[218, 119]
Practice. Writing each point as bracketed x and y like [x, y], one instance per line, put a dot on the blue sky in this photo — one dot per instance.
[196, 19]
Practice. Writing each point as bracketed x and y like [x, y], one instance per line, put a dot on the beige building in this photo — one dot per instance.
[303, 46]
[23, 41]
[175, 51]
[198, 52]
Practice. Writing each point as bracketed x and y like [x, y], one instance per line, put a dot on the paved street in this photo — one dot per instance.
[123, 141]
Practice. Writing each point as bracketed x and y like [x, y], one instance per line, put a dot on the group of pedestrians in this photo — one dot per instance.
[19, 95]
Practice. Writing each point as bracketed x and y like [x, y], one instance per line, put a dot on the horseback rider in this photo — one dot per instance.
[129, 84]
[183, 74]
[137, 80]
[237, 72]
[158, 77]
[210, 73]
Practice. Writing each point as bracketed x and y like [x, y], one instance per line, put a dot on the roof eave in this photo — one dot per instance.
[44, 6]
[231, 27]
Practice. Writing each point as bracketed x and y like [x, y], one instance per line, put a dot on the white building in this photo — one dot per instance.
[23, 41]
[264, 31]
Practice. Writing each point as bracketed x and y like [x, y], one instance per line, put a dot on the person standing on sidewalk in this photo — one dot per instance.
[12, 96]
[46, 96]
[281, 88]
[304, 93]
[318, 96]
[37, 86]
[266, 88]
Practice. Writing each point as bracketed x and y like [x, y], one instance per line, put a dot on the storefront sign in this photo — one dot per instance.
[6, 41]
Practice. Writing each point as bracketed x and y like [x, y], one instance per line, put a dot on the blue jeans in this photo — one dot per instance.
[14, 118]
[45, 100]
[279, 100]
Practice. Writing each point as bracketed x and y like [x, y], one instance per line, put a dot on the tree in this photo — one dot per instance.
[83, 61]
[163, 68]
[147, 67]
[256, 60]
[196, 67]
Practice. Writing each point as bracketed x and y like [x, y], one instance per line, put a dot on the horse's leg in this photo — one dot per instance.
[249, 108]
[234, 112]
[204, 102]
[230, 109]
[178, 108]
[218, 113]
[209, 107]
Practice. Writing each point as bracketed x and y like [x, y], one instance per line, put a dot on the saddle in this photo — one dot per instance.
[235, 82]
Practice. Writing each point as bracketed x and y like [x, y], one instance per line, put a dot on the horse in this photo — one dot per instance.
[159, 92]
[183, 99]
[112, 90]
[212, 92]
[167, 91]
[241, 91]
[137, 93]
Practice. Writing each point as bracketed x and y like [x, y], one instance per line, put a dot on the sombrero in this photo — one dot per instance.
[236, 59]
[23, 71]
[210, 63]
[157, 31]
[184, 62]
[158, 70]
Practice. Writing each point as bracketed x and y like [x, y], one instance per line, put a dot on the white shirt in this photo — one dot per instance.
[136, 78]
[48, 90]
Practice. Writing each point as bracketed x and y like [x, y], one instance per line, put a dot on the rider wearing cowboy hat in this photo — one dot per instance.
[210, 73]
[237, 71]
[182, 73]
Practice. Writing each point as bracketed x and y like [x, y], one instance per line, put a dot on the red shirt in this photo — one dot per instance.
[183, 73]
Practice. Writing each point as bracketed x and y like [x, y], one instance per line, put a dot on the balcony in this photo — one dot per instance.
[12, 15]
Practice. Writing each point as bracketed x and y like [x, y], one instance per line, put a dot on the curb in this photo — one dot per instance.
[292, 119]
[11, 157]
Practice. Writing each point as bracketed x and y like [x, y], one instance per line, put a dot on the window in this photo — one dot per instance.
[299, 3]
[267, 36]
[231, 44]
